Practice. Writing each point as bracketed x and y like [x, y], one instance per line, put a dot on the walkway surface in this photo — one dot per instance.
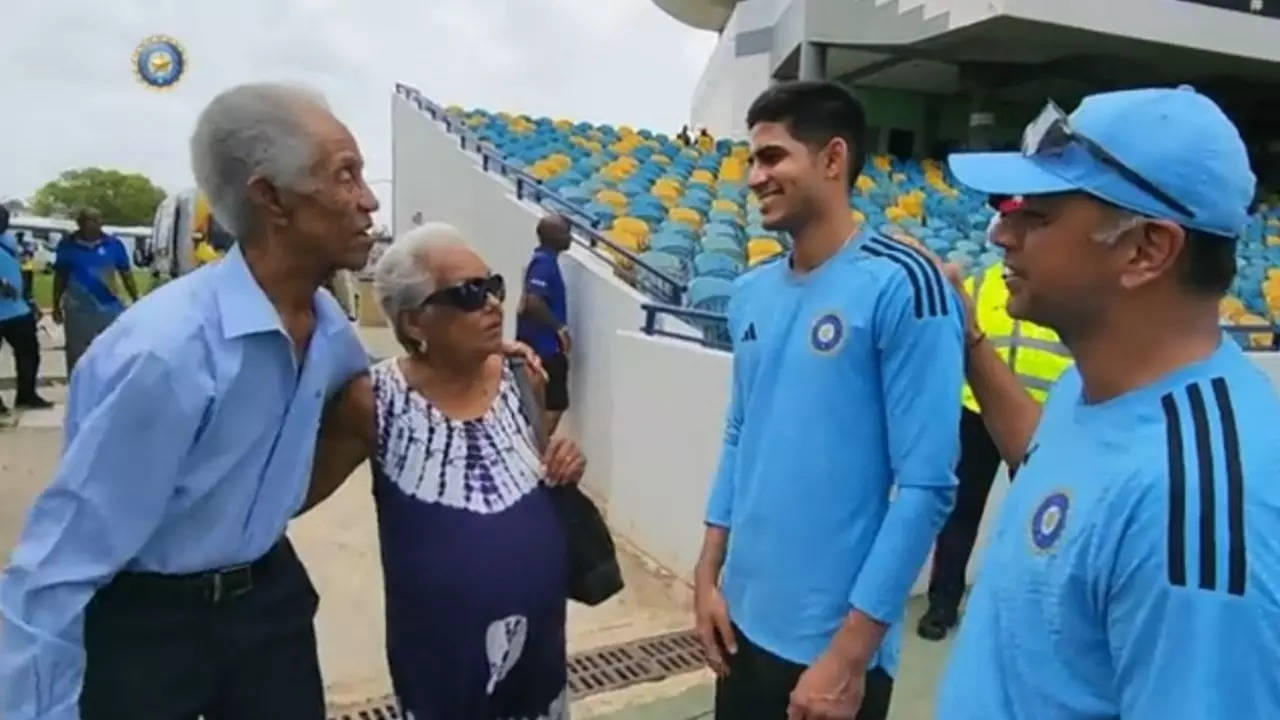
[338, 543]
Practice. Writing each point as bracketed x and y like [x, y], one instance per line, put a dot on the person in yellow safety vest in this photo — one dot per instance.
[1037, 357]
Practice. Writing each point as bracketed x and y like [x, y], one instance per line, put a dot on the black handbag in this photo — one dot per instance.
[594, 574]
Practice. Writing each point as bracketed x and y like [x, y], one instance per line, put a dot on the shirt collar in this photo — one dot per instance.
[246, 309]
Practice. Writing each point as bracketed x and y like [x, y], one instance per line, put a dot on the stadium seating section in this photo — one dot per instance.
[687, 213]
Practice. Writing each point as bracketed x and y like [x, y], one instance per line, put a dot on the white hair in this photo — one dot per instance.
[1120, 222]
[256, 129]
[401, 279]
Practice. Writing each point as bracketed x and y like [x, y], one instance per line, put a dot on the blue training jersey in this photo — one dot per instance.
[1134, 571]
[845, 382]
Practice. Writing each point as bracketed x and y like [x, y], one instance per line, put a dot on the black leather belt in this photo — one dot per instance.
[212, 586]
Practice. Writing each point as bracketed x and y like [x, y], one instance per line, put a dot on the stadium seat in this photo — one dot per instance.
[671, 243]
[633, 226]
[760, 249]
[670, 266]
[723, 245]
[686, 215]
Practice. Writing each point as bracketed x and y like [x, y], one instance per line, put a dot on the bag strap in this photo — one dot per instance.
[530, 406]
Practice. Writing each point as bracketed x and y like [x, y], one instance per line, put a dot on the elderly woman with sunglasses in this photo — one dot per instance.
[473, 551]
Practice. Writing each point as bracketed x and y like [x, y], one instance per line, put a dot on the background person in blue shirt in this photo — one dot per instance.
[86, 298]
[1134, 571]
[846, 369]
[153, 579]
[18, 316]
[544, 313]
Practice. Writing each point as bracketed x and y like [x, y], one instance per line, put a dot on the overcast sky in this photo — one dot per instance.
[70, 99]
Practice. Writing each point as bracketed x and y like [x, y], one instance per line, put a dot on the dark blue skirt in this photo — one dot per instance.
[475, 607]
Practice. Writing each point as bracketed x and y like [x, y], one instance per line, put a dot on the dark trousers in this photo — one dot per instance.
[759, 686]
[20, 333]
[167, 648]
[979, 461]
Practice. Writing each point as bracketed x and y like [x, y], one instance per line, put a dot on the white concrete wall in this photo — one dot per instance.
[668, 418]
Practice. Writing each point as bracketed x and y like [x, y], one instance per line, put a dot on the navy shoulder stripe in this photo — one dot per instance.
[1209, 452]
[917, 293]
[936, 291]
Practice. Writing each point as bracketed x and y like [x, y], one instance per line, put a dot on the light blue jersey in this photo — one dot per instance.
[1135, 568]
[845, 382]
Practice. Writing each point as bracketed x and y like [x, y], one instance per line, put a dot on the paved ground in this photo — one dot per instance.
[338, 543]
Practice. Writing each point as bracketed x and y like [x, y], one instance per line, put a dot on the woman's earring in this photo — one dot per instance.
[422, 347]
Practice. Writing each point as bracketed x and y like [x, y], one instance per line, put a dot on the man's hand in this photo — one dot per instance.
[831, 689]
[565, 462]
[713, 627]
[566, 342]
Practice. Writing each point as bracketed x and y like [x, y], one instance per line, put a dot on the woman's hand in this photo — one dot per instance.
[516, 349]
[565, 462]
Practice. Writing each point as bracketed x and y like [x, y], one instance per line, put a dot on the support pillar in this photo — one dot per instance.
[813, 61]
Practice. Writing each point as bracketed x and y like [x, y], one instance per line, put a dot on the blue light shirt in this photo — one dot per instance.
[1134, 571]
[190, 434]
[844, 387]
[543, 278]
[11, 272]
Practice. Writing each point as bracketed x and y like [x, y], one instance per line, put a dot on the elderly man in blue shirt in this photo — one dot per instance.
[153, 578]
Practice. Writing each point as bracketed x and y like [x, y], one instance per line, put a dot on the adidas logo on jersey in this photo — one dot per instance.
[749, 335]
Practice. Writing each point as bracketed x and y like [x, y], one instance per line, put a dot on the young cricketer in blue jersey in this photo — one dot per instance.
[1135, 568]
[847, 361]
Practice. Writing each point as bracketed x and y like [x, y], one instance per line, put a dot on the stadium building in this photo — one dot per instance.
[662, 227]
[937, 75]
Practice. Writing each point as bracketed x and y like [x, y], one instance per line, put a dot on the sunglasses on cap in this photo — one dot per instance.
[470, 295]
[1050, 134]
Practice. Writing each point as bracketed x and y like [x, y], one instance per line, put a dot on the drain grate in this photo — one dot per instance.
[617, 666]
[598, 670]
[381, 709]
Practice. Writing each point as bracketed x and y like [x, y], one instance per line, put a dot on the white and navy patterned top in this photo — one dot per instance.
[483, 465]
[474, 558]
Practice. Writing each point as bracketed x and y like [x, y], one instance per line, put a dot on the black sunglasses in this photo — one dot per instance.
[470, 295]
[1051, 132]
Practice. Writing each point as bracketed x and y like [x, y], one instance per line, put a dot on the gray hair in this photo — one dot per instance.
[401, 279]
[249, 130]
[1121, 222]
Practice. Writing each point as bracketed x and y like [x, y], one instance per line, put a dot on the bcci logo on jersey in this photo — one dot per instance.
[1049, 521]
[827, 334]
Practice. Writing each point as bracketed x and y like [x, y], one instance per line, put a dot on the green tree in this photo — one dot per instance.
[122, 198]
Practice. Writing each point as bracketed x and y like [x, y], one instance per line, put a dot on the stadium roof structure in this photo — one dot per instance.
[701, 14]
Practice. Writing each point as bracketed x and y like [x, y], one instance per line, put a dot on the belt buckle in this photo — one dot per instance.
[220, 589]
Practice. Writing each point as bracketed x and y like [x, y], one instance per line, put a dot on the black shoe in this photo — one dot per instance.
[35, 402]
[4, 409]
[935, 623]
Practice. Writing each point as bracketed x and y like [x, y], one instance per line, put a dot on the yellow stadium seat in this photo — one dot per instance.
[1273, 240]
[657, 159]
[858, 217]
[612, 198]
[1231, 308]
[686, 215]
[632, 226]
[882, 162]
[563, 124]
[727, 205]
[762, 248]
[895, 214]
[741, 152]
[702, 177]
[625, 130]
[1257, 340]
[865, 183]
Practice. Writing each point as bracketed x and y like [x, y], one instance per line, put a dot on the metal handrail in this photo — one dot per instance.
[525, 183]
[651, 326]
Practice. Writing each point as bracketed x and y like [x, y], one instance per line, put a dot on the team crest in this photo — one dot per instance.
[159, 62]
[828, 333]
[1049, 521]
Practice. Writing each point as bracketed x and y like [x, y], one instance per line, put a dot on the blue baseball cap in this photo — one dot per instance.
[1176, 139]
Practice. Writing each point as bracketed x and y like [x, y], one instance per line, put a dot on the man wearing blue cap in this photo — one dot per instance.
[1135, 570]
